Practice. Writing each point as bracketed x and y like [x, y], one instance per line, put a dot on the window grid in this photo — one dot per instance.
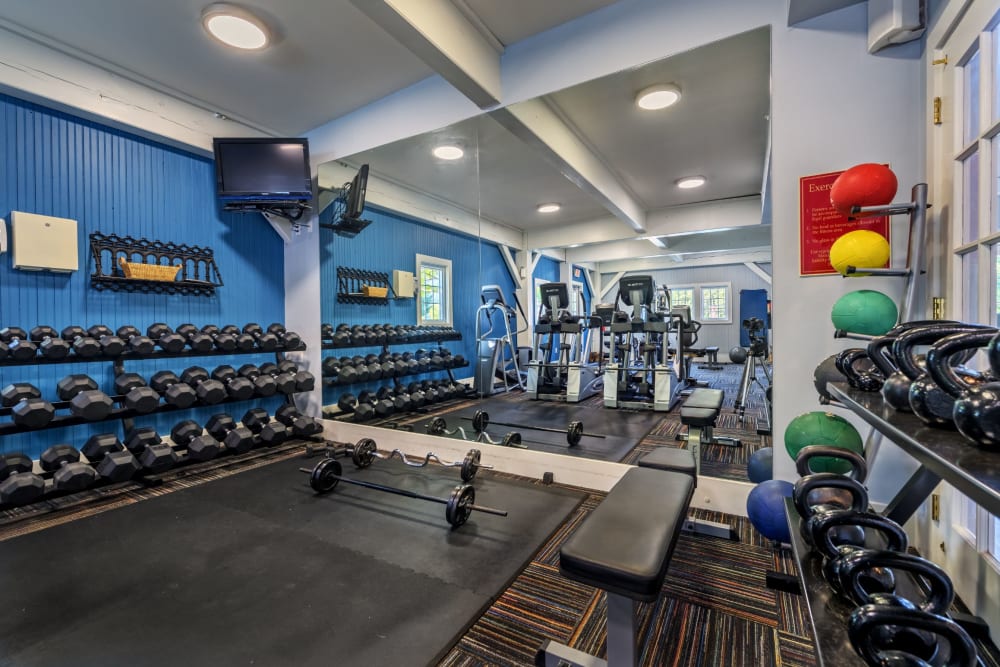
[682, 296]
[434, 291]
[714, 303]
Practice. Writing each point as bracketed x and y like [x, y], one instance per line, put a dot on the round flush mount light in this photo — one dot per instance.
[448, 152]
[235, 27]
[689, 182]
[548, 208]
[658, 97]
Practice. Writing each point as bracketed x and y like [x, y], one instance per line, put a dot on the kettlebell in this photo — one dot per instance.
[868, 624]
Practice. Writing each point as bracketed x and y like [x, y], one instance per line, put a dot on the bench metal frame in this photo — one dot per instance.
[622, 639]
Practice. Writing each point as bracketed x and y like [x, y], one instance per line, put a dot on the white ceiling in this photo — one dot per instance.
[328, 60]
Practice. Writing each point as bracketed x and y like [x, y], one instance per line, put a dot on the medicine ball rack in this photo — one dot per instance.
[942, 456]
[199, 275]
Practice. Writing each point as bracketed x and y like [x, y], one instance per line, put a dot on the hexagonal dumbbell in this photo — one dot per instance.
[18, 484]
[135, 394]
[374, 367]
[401, 400]
[326, 332]
[113, 462]
[289, 339]
[85, 399]
[111, 345]
[384, 405]
[331, 369]
[165, 338]
[69, 473]
[173, 391]
[283, 380]
[264, 340]
[224, 341]
[190, 435]
[237, 439]
[267, 432]
[209, 391]
[263, 385]
[365, 410]
[27, 408]
[18, 345]
[49, 342]
[83, 344]
[135, 341]
[348, 373]
[301, 425]
[347, 403]
[196, 340]
[153, 454]
[239, 388]
[304, 380]
[244, 341]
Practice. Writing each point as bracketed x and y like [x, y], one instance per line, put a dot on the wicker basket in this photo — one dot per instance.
[140, 271]
[371, 290]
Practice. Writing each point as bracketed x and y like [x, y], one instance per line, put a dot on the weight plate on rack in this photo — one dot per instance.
[364, 452]
[574, 433]
[511, 439]
[470, 466]
[459, 506]
[480, 420]
[437, 426]
[325, 475]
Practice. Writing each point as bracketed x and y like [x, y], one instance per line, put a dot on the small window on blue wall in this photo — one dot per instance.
[434, 302]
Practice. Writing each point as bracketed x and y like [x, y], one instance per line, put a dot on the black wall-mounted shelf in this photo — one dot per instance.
[351, 283]
[436, 339]
[198, 275]
[132, 356]
[328, 382]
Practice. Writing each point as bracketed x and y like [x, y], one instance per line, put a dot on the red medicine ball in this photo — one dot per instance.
[866, 184]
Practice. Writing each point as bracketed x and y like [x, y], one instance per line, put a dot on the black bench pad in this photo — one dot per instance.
[698, 416]
[624, 545]
[705, 398]
[669, 458]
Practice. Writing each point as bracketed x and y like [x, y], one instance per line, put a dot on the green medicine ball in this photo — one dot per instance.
[864, 312]
[823, 428]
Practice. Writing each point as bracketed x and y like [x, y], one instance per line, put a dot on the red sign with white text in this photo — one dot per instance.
[820, 224]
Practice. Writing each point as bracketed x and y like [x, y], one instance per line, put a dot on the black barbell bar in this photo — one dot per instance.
[574, 430]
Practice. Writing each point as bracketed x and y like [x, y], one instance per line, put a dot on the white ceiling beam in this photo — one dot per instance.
[438, 33]
[588, 280]
[723, 240]
[611, 283]
[508, 259]
[665, 262]
[541, 127]
[535, 256]
[759, 272]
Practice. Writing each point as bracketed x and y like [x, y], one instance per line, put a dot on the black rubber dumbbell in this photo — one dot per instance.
[331, 368]
[348, 372]
[110, 344]
[263, 384]
[301, 425]
[458, 361]
[134, 340]
[265, 341]
[401, 400]
[283, 380]
[360, 368]
[289, 339]
[412, 366]
[153, 454]
[239, 388]
[83, 344]
[267, 432]
[374, 367]
[209, 391]
[27, 407]
[110, 459]
[165, 338]
[244, 341]
[223, 341]
[191, 436]
[49, 342]
[18, 484]
[136, 395]
[69, 473]
[304, 380]
[173, 391]
[365, 410]
[326, 332]
[18, 345]
[342, 336]
[85, 399]
[198, 341]
[384, 405]
[347, 403]
[417, 396]
[237, 439]
[388, 368]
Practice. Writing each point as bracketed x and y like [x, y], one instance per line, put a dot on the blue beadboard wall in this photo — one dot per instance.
[392, 241]
[114, 182]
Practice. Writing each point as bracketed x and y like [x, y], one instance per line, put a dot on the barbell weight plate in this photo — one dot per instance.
[325, 475]
[574, 433]
[480, 420]
[511, 439]
[470, 466]
[437, 426]
[459, 506]
[364, 452]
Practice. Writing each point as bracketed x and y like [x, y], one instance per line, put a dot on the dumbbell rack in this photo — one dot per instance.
[943, 456]
[327, 382]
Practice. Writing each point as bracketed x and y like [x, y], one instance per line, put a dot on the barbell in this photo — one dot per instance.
[574, 430]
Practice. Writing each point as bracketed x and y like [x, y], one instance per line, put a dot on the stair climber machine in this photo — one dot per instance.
[496, 356]
[559, 370]
[638, 375]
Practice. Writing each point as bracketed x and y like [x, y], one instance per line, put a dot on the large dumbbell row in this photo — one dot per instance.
[349, 370]
[388, 400]
[43, 344]
[106, 459]
[367, 335]
[80, 395]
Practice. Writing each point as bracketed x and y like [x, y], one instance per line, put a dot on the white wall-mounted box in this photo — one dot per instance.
[43, 243]
[402, 284]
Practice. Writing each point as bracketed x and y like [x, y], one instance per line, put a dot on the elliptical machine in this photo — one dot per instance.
[495, 370]
[570, 377]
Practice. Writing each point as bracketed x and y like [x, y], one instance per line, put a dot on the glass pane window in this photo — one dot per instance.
[434, 303]
[970, 281]
[970, 198]
[995, 150]
[971, 80]
[682, 296]
[714, 303]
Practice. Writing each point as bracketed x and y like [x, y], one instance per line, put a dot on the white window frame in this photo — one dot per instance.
[728, 287]
[446, 300]
[694, 296]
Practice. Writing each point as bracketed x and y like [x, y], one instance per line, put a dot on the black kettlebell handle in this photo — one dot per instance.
[903, 346]
[939, 358]
[868, 619]
[853, 565]
[827, 480]
[854, 377]
[841, 359]
[820, 527]
[859, 467]
[880, 353]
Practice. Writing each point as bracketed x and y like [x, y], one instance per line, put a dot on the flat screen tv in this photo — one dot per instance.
[267, 171]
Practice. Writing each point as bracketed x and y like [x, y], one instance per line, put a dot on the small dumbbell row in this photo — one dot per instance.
[393, 400]
[363, 335]
[349, 370]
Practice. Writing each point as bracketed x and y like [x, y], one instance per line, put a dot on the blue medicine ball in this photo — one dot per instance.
[759, 465]
[766, 509]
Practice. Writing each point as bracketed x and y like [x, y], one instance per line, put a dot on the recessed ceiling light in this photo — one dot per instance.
[235, 27]
[658, 97]
[548, 208]
[691, 182]
[448, 152]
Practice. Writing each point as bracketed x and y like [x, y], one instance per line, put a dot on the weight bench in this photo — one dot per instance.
[712, 356]
[699, 412]
[623, 547]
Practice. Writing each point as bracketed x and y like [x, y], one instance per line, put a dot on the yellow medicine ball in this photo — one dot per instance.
[861, 248]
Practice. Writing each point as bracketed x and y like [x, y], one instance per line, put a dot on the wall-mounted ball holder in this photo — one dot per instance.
[198, 274]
